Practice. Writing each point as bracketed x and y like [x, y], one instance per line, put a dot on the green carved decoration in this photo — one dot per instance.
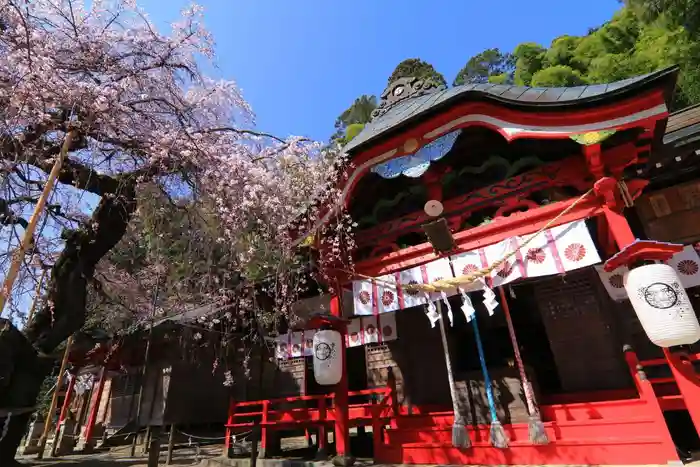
[510, 168]
[593, 137]
[387, 204]
[418, 192]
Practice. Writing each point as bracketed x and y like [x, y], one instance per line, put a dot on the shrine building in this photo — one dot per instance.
[548, 364]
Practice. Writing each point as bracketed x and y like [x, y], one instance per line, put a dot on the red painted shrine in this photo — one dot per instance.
[535, 189]
[501, 163]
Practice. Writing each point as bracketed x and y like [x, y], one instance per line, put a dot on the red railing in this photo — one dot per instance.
[665, 387]
[268, 415]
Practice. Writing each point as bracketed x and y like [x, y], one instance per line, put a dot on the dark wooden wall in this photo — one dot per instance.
[583, 332]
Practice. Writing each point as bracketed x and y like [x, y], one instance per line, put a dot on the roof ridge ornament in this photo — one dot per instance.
[404, 88]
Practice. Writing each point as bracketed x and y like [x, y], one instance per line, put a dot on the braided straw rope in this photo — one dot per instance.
[454, 282]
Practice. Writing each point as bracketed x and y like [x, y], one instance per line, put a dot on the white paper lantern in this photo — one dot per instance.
[328, 358]
[663, 307]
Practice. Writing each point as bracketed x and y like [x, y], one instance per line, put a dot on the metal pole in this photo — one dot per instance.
[28, 237]
[54, 399]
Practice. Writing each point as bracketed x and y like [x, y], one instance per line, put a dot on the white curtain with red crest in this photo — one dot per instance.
[557, 250]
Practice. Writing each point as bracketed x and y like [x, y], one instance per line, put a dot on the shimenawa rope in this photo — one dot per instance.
[451, 283]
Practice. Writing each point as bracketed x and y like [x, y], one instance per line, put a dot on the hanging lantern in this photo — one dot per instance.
[662, 305]
[328, 363]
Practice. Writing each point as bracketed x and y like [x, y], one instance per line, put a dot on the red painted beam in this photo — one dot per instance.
[519, 223]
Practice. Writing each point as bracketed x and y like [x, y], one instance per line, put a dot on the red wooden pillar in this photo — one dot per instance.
[646, 393]
[322, 437]
[688, 383]
[95, 407]
[64, 408]
[342, 428]
[618, 227]
[264, 428]
[681, 368]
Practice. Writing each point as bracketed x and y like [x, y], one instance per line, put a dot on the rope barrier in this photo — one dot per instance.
[451, 283]
[242, 436]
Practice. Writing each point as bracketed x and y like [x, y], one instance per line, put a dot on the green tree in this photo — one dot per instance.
[488, 66]
[529, 58]
[558, 75]
[684, 13]
[359, 113]
[562, 51]
[417, 68]
[626, 46]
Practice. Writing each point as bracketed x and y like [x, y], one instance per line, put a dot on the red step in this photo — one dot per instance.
[630, 451]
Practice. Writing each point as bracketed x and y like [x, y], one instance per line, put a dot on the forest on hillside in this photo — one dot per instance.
[642, 37]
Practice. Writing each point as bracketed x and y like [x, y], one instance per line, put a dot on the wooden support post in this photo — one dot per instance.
[154, 447]
[646, 393]
[391, 384]
[37, 296]
[229, 421]
[28, 237]
[137, 422]
[340, 404]
[264, 429]
[376, 432]
[171, 445]
[688, 383]
[254, 437]
[95, 407]
[321, 437]
[54, 399]
[64, 411]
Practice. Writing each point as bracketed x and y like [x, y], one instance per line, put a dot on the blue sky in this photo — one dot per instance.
[301, 63]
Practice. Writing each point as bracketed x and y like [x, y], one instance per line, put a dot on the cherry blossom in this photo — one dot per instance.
[139, 112]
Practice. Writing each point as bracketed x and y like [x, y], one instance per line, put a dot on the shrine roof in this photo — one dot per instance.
[683, 127]
[391, 117]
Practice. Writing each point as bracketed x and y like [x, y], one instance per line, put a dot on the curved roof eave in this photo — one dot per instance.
[411, 110]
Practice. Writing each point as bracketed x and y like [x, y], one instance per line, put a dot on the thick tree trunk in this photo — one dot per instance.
[23, 364]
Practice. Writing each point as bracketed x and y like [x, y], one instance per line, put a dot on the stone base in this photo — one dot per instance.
[322, 454]
[343, 461]
[27, 450]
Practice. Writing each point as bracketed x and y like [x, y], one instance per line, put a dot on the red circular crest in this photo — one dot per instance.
[412, 292]
[469, 269]
[616, 281]
[387, 331]
[505, 269]
[687, 267]
[364, 297]
[575, 252]
[387, 298]
[536, 255]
